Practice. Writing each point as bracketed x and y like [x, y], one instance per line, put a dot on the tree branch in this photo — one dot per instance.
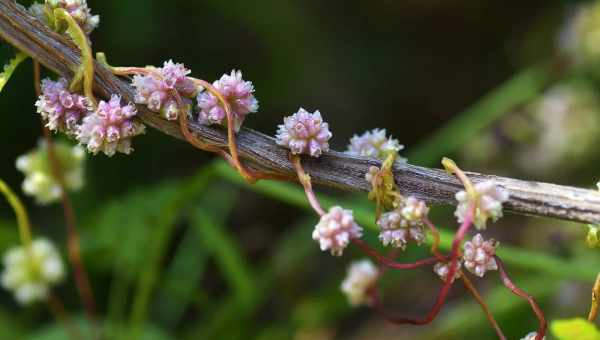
[333, 169]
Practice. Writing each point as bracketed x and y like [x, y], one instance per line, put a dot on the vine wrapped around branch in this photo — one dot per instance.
[260, 152]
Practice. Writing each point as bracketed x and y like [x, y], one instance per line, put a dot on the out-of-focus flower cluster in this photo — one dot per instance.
[39, 179]
[532, 336]
[77, 9]
[362, 275]
[580, 38]
[29, 272]
[487, 201]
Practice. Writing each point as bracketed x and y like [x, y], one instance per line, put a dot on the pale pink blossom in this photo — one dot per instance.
[304, 133]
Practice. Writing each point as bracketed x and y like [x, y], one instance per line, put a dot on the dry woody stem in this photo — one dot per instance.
[259, 152]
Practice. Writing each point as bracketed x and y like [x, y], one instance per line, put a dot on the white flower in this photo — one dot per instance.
[39, 179]
[488, 203]
[373, 143]
[479, 254]
[443, 269]
[335, 230]
[29, 273]
[362, 275]
[400, 226]
[531, 336]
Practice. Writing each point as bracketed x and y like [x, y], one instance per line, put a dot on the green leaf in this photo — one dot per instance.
[10, 68]
[574, 329]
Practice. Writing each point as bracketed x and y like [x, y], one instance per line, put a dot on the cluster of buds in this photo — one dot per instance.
[304, 133]
[156, 89]
[404, 224]
[373, 144]
[361, 277]
[39, 180]
[62, 109]
[110, 128]
[335, 230]
[477, 258]
[239, 95]
[30, 271]
[487, 199]
[77, 9]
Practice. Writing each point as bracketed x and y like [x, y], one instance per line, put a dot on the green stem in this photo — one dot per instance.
[22, 218]
[86, 70]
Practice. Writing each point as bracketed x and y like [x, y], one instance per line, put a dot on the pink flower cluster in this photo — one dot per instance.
[304, 133]
[335, 230]
[155, 89]
[239, 94]
[110, 128]
[62, 109]
[479, 254]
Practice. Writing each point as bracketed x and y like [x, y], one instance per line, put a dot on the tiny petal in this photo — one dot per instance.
[39, 180]
[362, 275]
[304, 133]
[404, 224]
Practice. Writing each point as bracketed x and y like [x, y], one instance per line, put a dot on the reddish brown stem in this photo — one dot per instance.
[304, 179]
[519, 292]
[73, 246]
[595, 303]
[488, 314]
[441, 299]
[436, 237]
[389, 262]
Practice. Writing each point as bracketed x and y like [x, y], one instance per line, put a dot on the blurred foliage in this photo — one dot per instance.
[179, 247]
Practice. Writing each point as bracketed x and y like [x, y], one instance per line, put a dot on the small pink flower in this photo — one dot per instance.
[110, 128]
[443, 269]
[398, 230]
[62, 109]
[155, 89]
[304, 133]
[238, 94]
[335, 230]
[77, 9]
[479, 255]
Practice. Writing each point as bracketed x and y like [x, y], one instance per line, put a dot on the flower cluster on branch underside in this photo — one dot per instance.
[487, 198]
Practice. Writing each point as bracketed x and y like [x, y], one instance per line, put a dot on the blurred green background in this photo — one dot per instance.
[179, 248]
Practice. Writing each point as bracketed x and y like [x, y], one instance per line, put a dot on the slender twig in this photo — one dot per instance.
[73, 246]
[332, 169]
[519, 292]
[388, 261]
[486, 310]
[305, 180]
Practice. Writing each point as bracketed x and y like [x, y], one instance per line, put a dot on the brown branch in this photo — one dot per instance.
[333, 169]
